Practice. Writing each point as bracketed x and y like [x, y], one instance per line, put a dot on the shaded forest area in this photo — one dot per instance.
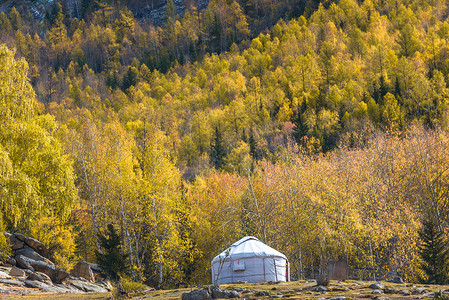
[330, 128]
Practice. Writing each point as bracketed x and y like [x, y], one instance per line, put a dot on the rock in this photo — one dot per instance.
[338, 298]
[276, 296]
[88, 287]
[196, 295]
[321, 288]
[15, 243]
[391, 291]
[21, 237]
[3, 275]
[70, 289]
[262, 293]
[30, 253]
[11, 282]
[39, 276]
[83, 270]
[56, 275]
[378, 292]
[37, 246]
[107, 285]
[405, 292]
[234, 294]
[218, 293]
[24, 262]
[40, 285]
[419, 291]
[11, 261]
[377, 286]
[16, 272]
[95, 268]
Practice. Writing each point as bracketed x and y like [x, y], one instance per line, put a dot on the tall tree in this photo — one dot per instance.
[217, 151]
[434, 251]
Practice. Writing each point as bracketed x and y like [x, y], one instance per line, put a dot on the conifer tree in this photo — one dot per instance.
[217, 152]
[434, 253]
[112, 260]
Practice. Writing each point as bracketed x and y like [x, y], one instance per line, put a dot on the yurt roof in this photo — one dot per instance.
[247, 247]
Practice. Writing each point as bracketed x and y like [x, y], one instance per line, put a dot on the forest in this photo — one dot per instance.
[326, 122]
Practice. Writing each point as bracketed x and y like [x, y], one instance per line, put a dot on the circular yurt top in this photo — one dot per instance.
[247, 247]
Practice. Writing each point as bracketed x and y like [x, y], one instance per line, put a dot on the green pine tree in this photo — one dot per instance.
[112, 260]
[217, 152]
[434, 253]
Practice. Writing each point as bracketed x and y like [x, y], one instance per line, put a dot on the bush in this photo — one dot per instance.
[132, 286]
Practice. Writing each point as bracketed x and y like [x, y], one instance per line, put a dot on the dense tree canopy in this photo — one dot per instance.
[191, 135]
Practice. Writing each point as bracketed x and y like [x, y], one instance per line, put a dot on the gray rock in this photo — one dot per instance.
[321, 288]
[378, 292]
[377, 286]
[276, 296]
[49, 288]
[21, 237]
[83, 270]
[37, 246]
[218, 293]
[88, 287]
[3, 275]
[95, 268]
[11, 261]
[16, 272]
[196, 295]
[262, 293]
[338, 298]
[234, 294]
[70, 289]
[30, 253]
[24, 262]
[405, 292]
[391, 291]
[15, 243]
[11, 282]
[39, 276]
[56, 275]
[419, 291]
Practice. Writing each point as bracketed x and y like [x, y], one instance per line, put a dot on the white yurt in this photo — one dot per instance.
[249, 260]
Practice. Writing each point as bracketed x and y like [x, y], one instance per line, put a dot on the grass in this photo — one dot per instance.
[306, 290]
[349, 289]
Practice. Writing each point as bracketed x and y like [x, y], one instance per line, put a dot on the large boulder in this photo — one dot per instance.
[38, 246]
[21, 237]
[24, 262]
[46, 287]
[39, 276]
[30, 253]
[15, 242]
[57, 275]
[196, 295]
[83, 270]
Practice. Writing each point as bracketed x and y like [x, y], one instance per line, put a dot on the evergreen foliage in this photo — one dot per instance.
[217, 151]
[434, 251]
[112, 259]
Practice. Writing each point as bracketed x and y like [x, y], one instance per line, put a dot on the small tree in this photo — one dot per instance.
[217, 152]
[434, 253]
[112, 260]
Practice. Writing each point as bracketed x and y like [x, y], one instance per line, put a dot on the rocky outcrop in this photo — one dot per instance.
[30, 266]
[83, 270]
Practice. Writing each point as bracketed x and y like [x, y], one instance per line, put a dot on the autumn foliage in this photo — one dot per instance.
[325, 135]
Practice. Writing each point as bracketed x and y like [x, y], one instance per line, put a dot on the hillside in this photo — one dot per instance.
[325, 134]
